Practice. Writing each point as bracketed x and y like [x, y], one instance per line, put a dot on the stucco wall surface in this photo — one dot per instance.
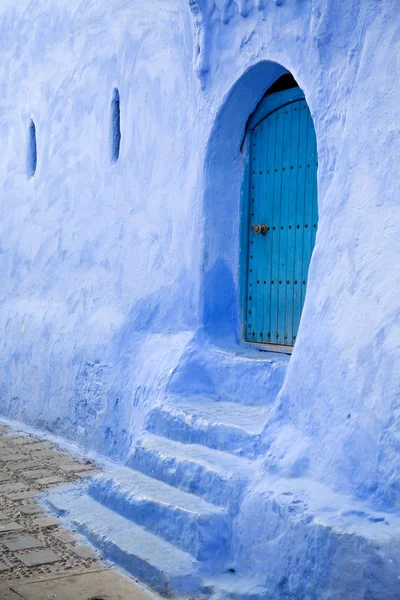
[115, 275]
[99, 259]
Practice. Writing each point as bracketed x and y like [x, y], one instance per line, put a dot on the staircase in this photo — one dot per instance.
[166, 516]
[169, 515]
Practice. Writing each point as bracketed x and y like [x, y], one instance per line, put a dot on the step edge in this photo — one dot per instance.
[242, 462]
[203, 534]
[203, 507]
[77, 513]
[157, 577]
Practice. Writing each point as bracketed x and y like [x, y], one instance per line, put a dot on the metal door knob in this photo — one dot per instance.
[259, 229]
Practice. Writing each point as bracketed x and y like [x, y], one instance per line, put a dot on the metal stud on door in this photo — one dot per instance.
[283, 216]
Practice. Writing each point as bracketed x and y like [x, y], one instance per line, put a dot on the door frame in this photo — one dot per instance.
[268, 105]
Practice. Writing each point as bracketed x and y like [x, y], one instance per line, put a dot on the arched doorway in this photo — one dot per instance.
[280, 191]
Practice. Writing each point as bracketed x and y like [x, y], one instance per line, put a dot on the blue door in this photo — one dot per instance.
[282, 197]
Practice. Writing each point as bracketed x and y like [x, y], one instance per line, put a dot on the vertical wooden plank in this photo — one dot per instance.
[277, 177]
[263, 216]
[264, 241]
[307, 225]
[250, 304]
[252, 299]
[296, 200]
[269, 331]
[284, 225]
[259, 241]
[292, 185]
[253, 239]
[300, 200]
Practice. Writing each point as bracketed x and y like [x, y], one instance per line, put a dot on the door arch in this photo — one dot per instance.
[280, 185]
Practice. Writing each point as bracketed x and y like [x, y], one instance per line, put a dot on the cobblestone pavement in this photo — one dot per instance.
[39, 560]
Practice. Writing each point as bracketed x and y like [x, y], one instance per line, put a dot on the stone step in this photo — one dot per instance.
[218, 477]
[154, 561]
[245, 377]
[191, 523]
[223, 426]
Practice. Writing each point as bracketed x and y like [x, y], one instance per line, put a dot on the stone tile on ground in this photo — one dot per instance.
[5, 477]
[24, 441]
[30, 509]
[98, 584]
[84, 551]
[22, 495]
[38, 557]
[6, 527]
[51, 480]
[46, 522]
[17, 442]
[3, 567]
[40, 446]
[7, 594]
[22, 543]
[12, 457]
[37, 474]
[64, 536]
[25, 465]
[52, 455]
[12, 487]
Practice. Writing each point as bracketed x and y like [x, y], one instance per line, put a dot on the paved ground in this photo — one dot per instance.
[39, 560]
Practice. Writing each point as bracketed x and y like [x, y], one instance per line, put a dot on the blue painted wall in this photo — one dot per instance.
[116, 275]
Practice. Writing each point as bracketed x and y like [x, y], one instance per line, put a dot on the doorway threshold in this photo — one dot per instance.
[280, 348]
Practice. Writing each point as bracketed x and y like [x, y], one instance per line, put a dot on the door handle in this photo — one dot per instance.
[259, 229]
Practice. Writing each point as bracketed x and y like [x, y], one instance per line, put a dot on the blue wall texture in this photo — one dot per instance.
[121, 273]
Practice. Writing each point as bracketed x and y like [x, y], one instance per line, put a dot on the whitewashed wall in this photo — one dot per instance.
[109, 271]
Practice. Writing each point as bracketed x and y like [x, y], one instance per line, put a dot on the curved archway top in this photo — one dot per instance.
[241, 101]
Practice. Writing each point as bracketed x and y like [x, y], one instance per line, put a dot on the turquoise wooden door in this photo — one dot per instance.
[282, 194]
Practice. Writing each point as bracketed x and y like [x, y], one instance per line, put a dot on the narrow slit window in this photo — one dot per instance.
[32, 150]
[115, 126]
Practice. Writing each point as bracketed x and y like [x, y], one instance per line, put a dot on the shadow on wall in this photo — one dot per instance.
[220, 315]
[224, 235]
[165, 310]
